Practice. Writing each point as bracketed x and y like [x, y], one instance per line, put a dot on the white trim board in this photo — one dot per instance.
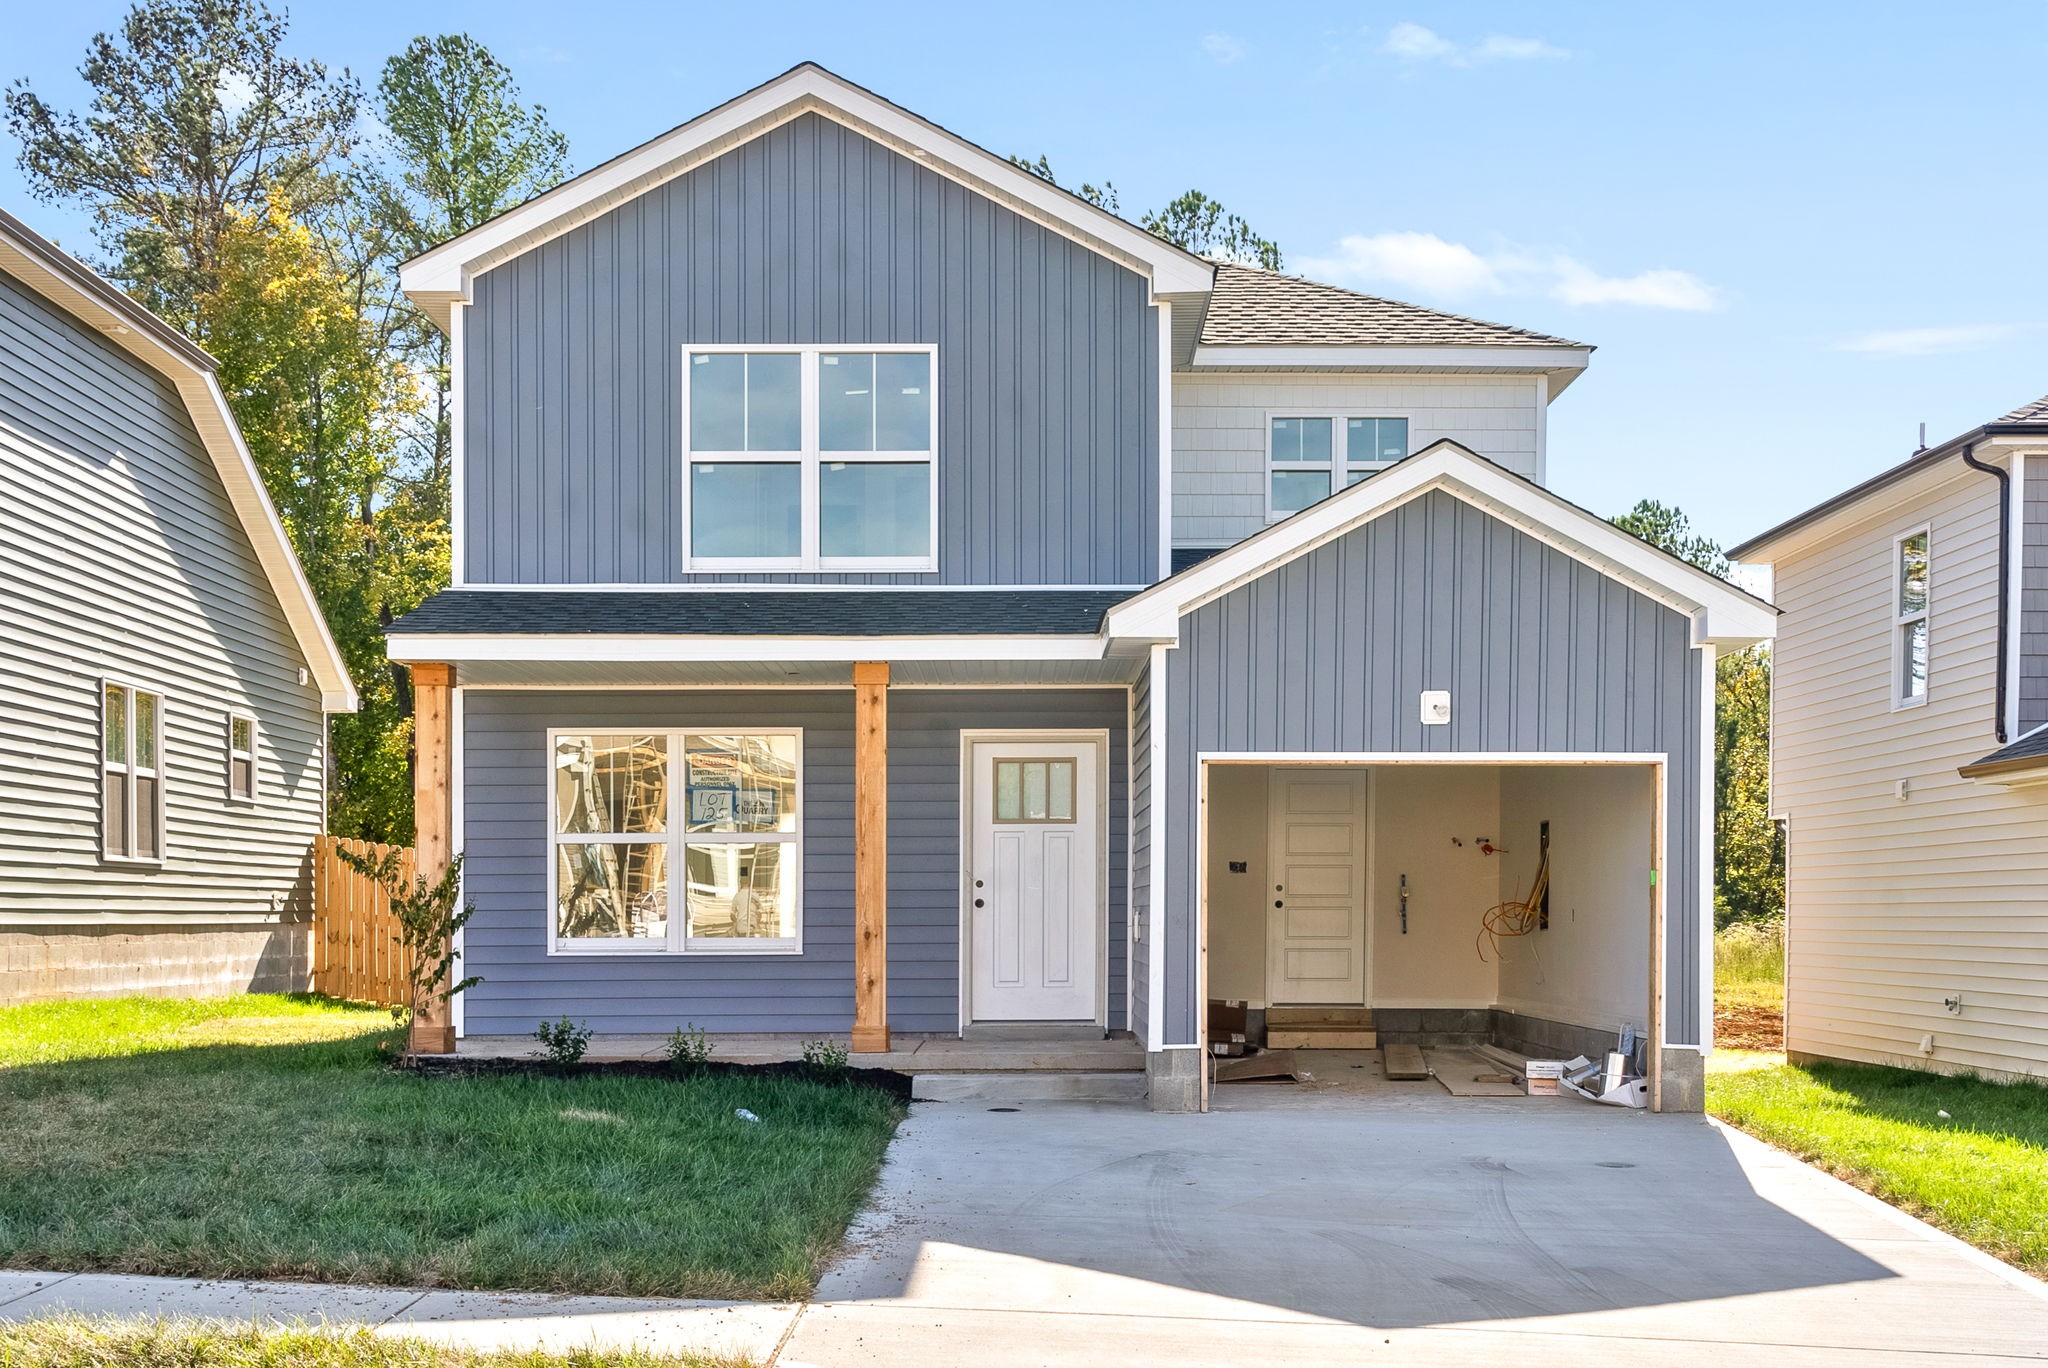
[55, 276]
[438, 279]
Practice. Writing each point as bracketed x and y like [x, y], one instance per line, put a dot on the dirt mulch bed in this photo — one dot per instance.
[1749, 1027]
[897, 1085]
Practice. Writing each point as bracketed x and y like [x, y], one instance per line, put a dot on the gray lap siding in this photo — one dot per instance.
[505, 838]
[1331, 651]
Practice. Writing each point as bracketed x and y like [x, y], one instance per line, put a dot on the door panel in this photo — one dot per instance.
[1316, 933]
[1035, 914]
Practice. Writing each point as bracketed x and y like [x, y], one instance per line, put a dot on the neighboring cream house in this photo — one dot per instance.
[1909, 754]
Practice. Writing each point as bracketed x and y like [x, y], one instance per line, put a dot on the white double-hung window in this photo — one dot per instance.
[680, 841]
[131, 773]
[1309, 457]
[1909, 668]
[811, 458]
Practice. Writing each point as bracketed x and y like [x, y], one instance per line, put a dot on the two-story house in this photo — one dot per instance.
[895, 596]
[165, 673]
[1909, 746]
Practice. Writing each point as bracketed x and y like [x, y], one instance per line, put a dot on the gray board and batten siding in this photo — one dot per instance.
[1048, 381]
[1331, 652]
[122, 556]
[505, 839]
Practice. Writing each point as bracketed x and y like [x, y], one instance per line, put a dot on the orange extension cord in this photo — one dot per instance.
[1505, 920]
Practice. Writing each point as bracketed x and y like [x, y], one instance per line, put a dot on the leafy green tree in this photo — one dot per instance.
[1193, 221]
[196, 116]
[1749, 847]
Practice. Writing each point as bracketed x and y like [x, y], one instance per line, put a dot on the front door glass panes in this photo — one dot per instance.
[1034, 790]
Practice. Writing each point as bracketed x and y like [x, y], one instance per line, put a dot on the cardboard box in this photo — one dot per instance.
[1228, 1020]
[1544, 1068]
[1540, 1087]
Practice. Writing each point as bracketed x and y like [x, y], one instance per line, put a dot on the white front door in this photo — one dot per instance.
[1315, 927]
[1034, 901]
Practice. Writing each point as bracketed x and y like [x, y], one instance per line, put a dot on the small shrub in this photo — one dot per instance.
[562, 1042]
[825, 1057]
[687, 1047]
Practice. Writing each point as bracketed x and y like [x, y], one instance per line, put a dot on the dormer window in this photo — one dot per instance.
[811, 458]
[1309, 457]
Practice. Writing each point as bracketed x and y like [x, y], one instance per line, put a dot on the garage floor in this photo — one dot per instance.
[1378, 1221]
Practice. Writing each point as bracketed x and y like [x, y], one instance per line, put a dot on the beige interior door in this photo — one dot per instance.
[1316, 857]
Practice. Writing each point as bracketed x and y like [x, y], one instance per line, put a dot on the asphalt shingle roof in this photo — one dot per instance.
[2036, 412]
[769, 612]
[2031, 747]
[1253, 307]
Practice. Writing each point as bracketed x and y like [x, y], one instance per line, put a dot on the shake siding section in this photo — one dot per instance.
[1893, 905]
[2033, 572]
[121, 555]
[1331, 651]
[1047, 366]
[506, 837]
[1220, 426]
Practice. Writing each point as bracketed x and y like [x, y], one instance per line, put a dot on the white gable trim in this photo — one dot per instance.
[438, 279]
[1561, 365]
[1721, 614]
[55, 276]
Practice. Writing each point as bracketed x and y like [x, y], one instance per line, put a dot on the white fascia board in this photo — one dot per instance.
[1249, 357]
[442, 276]
[1721, 613]
[1883, 501]
[456, 647]
[214, 421]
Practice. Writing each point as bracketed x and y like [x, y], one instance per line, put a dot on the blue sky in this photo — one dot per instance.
[1794, 232]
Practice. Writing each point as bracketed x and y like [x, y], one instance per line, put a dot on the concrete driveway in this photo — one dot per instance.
[1295, 1226]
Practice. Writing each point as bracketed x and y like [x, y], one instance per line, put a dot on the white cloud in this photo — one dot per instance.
[1414, 43]
[1927, 341]
[1223, 47]
[1429, 265]
[235, 91]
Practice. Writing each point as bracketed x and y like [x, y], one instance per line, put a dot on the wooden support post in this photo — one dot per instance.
[871, 856]
[433, 686]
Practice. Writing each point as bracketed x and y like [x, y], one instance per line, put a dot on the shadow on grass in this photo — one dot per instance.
[313, 1159]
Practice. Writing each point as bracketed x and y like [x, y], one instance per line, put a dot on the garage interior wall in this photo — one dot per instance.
[1591, 968]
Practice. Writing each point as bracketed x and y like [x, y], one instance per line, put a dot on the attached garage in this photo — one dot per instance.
[1408, 681]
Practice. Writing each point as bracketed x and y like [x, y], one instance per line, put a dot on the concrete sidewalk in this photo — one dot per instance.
[482, 1320]
[1292, 1226]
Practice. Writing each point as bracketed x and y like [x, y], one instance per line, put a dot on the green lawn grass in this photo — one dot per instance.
[263, 1136]
[1980, 1172]
[79, 1343]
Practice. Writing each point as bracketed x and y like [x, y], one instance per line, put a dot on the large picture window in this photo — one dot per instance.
[1309, 457]
[676, 841]
[131, 773]
[811, 458]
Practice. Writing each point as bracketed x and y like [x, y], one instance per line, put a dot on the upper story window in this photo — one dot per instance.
[811, 458]
[242, 757]
[1911, 567]
[131, 773]
[1309, 457]
[710, 864]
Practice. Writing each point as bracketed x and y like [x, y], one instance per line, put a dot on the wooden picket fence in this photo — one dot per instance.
[356, 953]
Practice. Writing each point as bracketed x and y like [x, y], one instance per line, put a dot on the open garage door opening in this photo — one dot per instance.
[1483, 913]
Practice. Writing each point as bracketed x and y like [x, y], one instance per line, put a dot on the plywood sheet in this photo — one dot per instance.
[1467, 1073]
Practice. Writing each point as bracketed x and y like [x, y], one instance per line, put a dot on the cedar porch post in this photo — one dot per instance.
[433, 1025]
[871, 856]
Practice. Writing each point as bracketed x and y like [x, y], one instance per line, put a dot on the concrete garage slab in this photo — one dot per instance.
[1307, 1225]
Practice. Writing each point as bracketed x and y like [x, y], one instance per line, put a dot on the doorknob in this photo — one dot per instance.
[1276, 902]
[978, 902]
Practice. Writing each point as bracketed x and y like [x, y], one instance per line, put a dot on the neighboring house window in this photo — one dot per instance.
[811, 458]
[1911, 629]
[131, 773]
[710, 864]
[1310, 457]
[242, 758]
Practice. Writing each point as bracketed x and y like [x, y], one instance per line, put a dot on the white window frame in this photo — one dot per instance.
[809, 458]
[678, 841]
[1340, 464]
[127, 772]
[1901, 620]
[255, 771]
